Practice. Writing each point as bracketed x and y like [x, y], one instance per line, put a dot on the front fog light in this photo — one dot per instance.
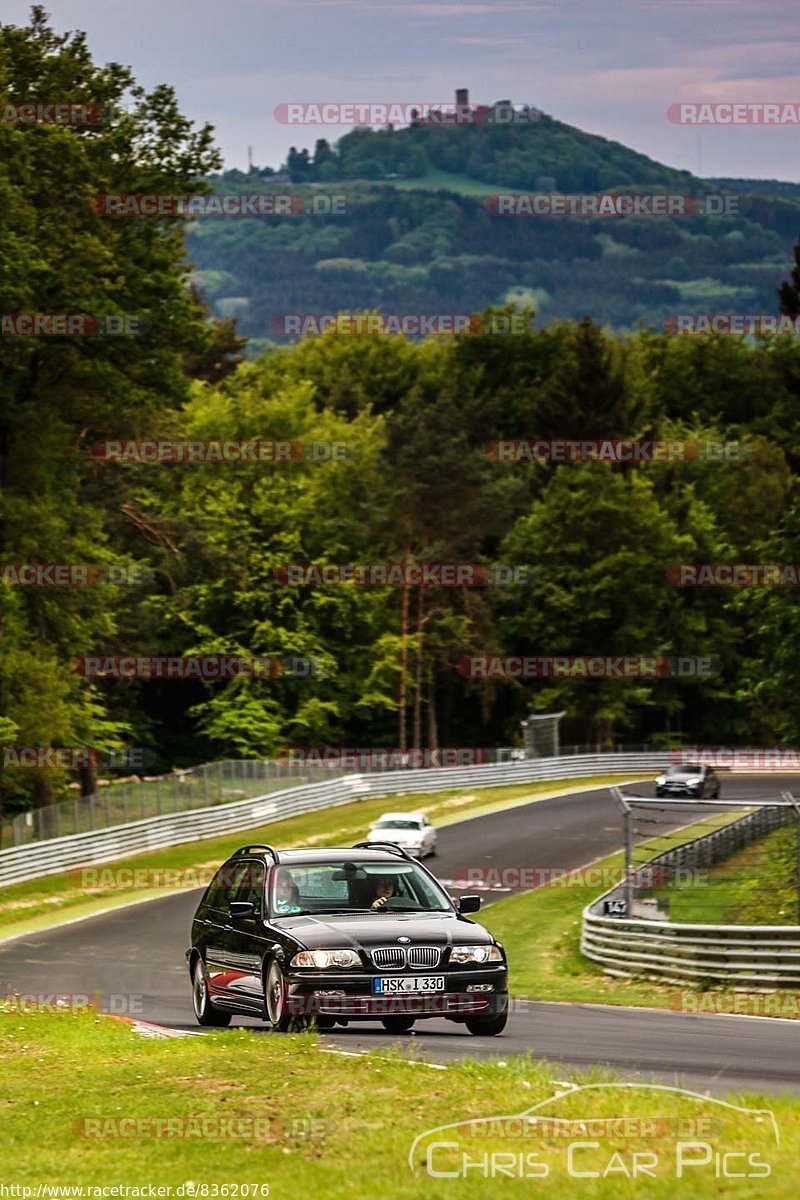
[480, 987]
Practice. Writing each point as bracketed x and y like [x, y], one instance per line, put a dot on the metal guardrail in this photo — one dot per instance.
[54, 855]
[221, 782]
[741, 955]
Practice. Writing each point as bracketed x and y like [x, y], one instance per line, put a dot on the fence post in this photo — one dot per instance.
[789, 798]
[626, 810]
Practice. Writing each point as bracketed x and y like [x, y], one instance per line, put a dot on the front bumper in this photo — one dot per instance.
[680, 790]
[350, 996]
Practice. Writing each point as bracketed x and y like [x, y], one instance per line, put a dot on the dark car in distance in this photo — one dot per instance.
[362, 934]
[691, 779]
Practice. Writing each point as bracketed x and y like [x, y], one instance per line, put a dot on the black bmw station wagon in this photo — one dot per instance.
[365, 934]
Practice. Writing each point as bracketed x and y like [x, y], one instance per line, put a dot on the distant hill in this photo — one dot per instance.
[535, 155]
[418, 233]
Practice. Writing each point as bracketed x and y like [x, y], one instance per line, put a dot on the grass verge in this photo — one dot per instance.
[40, 903]
[84, 1100]
[541, 932]
[755, 886]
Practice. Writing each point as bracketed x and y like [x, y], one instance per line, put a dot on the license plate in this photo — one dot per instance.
[408, 983]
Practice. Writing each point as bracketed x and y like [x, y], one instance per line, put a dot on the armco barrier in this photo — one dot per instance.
[738, 955]
[155, 833]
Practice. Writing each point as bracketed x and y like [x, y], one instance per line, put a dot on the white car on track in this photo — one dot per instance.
[411, 831]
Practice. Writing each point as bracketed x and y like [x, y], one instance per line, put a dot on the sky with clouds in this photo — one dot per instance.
[611, 68]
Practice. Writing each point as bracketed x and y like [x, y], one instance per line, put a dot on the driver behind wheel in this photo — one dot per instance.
[384, 890]
[287, 894]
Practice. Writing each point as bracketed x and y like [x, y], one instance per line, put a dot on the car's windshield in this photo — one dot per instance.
[348, 886]
[688, 769]
[398, 823]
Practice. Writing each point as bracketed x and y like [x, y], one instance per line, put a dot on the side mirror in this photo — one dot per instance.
[239, 909]
[468, 904]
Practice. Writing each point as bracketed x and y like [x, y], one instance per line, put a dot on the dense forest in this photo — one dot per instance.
[203, 545]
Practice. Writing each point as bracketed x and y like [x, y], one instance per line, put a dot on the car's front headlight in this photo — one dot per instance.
[694, 780]
[475, 954]
[325, 958]
[662, 779]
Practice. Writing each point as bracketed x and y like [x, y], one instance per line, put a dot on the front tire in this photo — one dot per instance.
[397, 1024]
[488, 1026]
[322, 1023]
[204, 1011]
[276, 1000]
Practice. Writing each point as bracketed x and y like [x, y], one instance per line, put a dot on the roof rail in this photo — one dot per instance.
[395, 849]
[258, 848]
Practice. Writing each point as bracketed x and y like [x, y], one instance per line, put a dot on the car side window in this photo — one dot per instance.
[250, 886]
[224, 885]
[214, 889]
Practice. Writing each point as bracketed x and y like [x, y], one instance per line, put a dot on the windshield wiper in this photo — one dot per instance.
[418, 909]
[322, 912]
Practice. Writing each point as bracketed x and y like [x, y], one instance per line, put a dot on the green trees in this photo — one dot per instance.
[58, 395]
